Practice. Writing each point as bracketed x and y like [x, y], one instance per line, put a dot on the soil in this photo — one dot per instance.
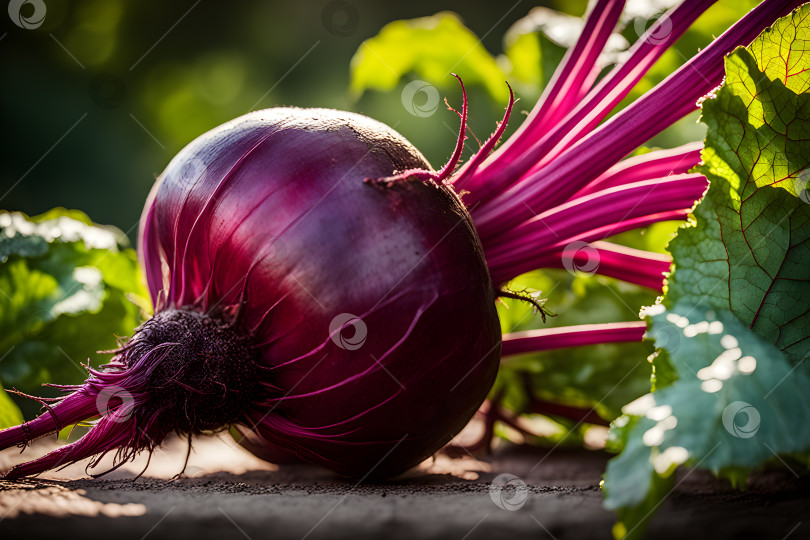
[228, 493]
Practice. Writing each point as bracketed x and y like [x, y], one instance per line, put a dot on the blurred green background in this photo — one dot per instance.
[97, 99]
[142, 79]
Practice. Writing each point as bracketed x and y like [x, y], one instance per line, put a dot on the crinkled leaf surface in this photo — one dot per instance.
[68, 288]
[750, 248]
[737, 403]
[733, 326]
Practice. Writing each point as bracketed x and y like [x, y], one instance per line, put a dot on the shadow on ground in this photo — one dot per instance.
[226, 493]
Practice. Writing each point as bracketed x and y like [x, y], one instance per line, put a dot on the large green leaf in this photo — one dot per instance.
[737, 403]
[732, 330]
[69, 288]
[749, 250]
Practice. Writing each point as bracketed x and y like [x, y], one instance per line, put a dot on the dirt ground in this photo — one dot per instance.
[228, 493]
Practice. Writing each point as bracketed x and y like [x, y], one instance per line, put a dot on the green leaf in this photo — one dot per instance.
[749, 250]
[431, 47]
[737, 403]
[731, 387]
[632, 487]
[10, 414]
[69, 288]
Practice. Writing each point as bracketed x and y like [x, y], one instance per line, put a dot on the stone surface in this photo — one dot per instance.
[228, 493]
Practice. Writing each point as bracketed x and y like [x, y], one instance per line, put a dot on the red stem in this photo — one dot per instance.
[526, 154]
[571, 80]
[595, 217]
[656, 164]
[596, 152]
[488, 146]
[450, 166]
[571, 336]
[604, 258]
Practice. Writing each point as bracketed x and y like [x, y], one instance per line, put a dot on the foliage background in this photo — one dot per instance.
[220, 61]
[180, 68]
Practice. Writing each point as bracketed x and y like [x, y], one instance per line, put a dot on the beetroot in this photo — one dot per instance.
[318, 286]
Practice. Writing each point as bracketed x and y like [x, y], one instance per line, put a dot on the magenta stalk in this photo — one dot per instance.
[572, 336]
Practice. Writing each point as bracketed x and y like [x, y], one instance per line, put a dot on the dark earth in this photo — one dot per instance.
[228, 493]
